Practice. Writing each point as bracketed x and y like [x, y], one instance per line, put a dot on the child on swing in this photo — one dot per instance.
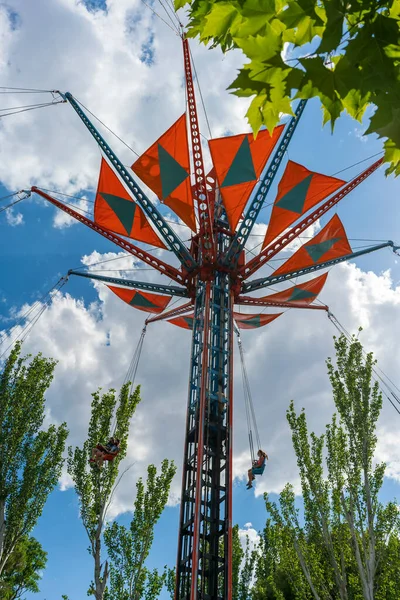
[257, 468]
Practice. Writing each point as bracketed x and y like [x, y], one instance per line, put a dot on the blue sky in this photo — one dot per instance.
[126, 66]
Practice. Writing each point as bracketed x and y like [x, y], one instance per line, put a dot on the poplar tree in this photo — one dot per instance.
[128, 548]
[23, 569]
[30, 455]
[110, 416]
[347, 539]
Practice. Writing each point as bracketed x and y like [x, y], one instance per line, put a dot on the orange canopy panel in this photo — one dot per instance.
[331, 242]
[251, 321]
[165, 168]
[304, 293]
[298, 191]
[115, 210]
[186, 322]
[239, 161]
[151, 303]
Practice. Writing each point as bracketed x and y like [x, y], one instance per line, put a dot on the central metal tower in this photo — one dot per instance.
[204, 545]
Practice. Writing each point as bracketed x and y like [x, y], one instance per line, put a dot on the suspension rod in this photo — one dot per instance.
[172, 240]
[174, 312]
[264, 282]
[270, 251]
[249, 301]
[142, 255]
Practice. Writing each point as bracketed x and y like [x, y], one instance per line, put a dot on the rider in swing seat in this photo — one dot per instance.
[107, 452]
[257, 468]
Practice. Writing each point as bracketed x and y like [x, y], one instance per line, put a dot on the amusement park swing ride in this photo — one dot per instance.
[220, 208]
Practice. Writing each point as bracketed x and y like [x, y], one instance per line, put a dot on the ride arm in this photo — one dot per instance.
[203, 198]
[270, 251]
[172, 240]
[146, 257]
[171, 290]
[264, 282]
[174, 312]
[250, 218]
[250, 301]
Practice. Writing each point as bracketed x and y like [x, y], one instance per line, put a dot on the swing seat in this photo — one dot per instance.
[110, 457]
[258, 470]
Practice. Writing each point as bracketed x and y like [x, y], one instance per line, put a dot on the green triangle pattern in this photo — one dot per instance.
[255, 321]
[171, 172]
[124, 209]
[189, 321]
[295, 198]
[316, 251]
[139, 300]
[242, 168]
[299, 294]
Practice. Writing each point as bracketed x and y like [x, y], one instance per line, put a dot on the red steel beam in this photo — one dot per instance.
[257, 262]
[154, 262]
[250, 301]
[200, 185]
[174, 312]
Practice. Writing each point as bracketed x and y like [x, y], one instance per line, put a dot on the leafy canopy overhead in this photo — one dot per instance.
[345, 52]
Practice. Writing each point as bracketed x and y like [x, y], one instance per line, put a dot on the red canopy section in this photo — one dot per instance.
[185, 322]
[239, 161]
[165, 168]
[302, 294]
[252, 321]
[298, 191]
[331, 242]
[115, 210]
[151, 303]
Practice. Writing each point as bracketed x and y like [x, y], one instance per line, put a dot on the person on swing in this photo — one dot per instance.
[257, 468]
[100, 452]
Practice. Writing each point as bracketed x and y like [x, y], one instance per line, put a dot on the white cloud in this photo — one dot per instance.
[96, 56]
[62, 219]
[250, 534]
[94, 345]
[14, 219]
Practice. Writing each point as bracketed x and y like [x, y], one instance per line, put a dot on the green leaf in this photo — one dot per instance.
[261, 48]
[333, 31]
[254, 114]
[392, 156]
[180, 3]
[386, 122]
[219, 20]
[245, 84]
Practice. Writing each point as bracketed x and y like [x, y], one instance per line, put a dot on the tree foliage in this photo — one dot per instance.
[346, 53]
[347, 542]
[128, 548]
[30, 455]
[22, 571]
[111, 414]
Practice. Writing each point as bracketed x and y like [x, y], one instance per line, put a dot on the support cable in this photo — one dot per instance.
[201, 95]
[17, 90]
[134, 364]
[174, 25]
[375, 369]
[39, 306]
[22, 195]
[106, 126]
[33, 107]
[160, 17]
[248, 401]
